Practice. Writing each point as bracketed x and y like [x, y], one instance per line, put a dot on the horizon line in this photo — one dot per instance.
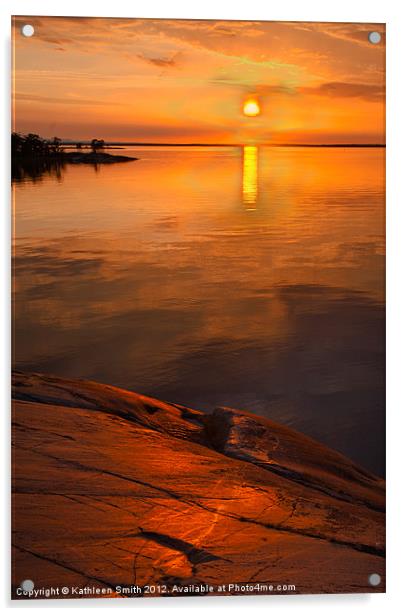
[224, 145]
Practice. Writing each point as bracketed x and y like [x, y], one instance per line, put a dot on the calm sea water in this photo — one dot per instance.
[247, 277]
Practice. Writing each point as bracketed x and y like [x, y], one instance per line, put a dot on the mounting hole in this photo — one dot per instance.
[27, 30]
[374, 37]
[374, 579]
[27, 585]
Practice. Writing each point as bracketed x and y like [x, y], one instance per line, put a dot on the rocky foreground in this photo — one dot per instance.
[113, 489]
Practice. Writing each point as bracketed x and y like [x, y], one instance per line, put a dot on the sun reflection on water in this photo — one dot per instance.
[250, 176]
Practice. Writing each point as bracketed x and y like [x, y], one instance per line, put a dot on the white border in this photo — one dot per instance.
[389, 11]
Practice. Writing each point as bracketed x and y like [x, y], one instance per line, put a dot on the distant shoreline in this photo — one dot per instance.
[114, 144]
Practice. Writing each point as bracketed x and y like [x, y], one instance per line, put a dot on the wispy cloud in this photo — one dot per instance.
[161, 62]
[346, 90]
[54, 100]
[349, 32]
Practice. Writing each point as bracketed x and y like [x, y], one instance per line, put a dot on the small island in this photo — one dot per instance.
[95, 158]
[32, 156]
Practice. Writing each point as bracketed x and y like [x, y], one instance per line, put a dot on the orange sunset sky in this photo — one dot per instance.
[184, 81]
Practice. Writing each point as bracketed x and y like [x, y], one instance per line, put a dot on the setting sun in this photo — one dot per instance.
[251, 108]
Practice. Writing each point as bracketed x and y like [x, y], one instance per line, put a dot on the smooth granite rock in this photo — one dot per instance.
[112, 488]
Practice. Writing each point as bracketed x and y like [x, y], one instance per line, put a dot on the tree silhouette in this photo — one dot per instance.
[55, 145]
[97, 144]
[32, 156]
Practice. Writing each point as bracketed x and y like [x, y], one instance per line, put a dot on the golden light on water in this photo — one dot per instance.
[251, 108]
[250, 176]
